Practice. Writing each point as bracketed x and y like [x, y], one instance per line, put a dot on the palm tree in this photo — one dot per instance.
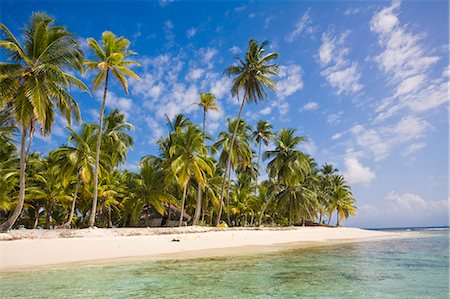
[78, 159]
[341, 200]
[239, 156]
[189, 157]
[111, 57]
[325, 188]
[252, 77]
[288, 166]
[36, 81]
[208, 103]
[262, 134]
[117, 137]
[151, 189]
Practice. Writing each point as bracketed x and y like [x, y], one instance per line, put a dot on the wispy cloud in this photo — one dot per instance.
[407, 64]
[341, 73]
[304, 24]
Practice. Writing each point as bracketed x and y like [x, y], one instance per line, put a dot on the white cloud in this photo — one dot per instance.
[252, 15]
[403, 210]
[352, 11]
[341, 73]
[165, 2]
[240, 8]
[302, 25]
[235, 50]
[266, 111]
[412, 148]
[191, 32]
[124, 104]
[409, 202]
[356, 173]
[337, 136]
[406, 64]
[382, 140]
[334, 118]
[156, 130]
[309, 147]
[310, 106]
[290, 80]
[195, 74]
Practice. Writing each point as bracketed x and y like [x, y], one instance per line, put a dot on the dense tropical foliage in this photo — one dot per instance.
[257, 175]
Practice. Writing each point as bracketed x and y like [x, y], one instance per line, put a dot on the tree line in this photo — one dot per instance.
[217, 179]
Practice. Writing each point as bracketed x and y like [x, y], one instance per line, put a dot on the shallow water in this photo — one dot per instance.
[403, 268]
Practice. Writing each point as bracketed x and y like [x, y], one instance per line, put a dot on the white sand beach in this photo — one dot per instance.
[21, 250]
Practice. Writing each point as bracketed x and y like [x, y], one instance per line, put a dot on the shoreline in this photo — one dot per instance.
[37, 249]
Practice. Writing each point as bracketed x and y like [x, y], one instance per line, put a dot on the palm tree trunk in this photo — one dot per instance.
[182, 204]
[264, 210]
[320, 218]
[36, 217]
[97, 154]
[259, 154]
[198, 206]
[251, 219]
[228, 198]
[5, 226]
[109, 217]
[228, 164]
[74, 200]
[337, 218]
[48, 216]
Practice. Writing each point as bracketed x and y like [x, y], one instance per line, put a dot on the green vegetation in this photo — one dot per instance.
[79, 184]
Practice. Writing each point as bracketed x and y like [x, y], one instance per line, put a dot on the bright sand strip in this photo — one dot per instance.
[33, 249]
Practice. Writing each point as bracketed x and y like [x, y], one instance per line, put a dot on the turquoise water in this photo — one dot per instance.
[402, 268]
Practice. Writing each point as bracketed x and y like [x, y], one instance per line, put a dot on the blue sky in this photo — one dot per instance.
[366, 82]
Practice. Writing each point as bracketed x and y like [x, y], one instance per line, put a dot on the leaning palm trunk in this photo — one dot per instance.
[228, 164]
[74, 200]
[109, 218]
[264, 210]
[182, 204]
[228, 197]
[198, 206]
[5, 226]
[36, 217]
[97, 154]
[199, 186]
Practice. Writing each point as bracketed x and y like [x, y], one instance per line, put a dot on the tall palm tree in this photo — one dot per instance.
[189, 158]
[288, 166]
[239, 156]
[341, 200]
[251, 77]
[208, 103]
[78, 159]
[111, 57]
[262, 134]
[151, 188]
[35, 81]
[117, 137]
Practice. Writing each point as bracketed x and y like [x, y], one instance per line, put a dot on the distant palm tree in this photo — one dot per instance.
[262, 134]
[251, 77]
[289, 167]
[35, 82]
[189, 158]
[111, 57]
[208, 103]
[77, 158]
[341, 200]
[239, 156]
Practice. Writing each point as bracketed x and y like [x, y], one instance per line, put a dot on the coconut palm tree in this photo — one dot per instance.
[251, 78]
[117, 137]
[78, 160]
[189, 158]
[151, 189]
[341, 200]
[262, 134]
[239, 156]
[289, 167]
[208, 103]
[112, 58]
[36, 81]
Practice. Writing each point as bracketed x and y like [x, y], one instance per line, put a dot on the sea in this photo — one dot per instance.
[416, 266]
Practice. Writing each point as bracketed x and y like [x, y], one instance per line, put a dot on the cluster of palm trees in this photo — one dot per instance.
[79, 184]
